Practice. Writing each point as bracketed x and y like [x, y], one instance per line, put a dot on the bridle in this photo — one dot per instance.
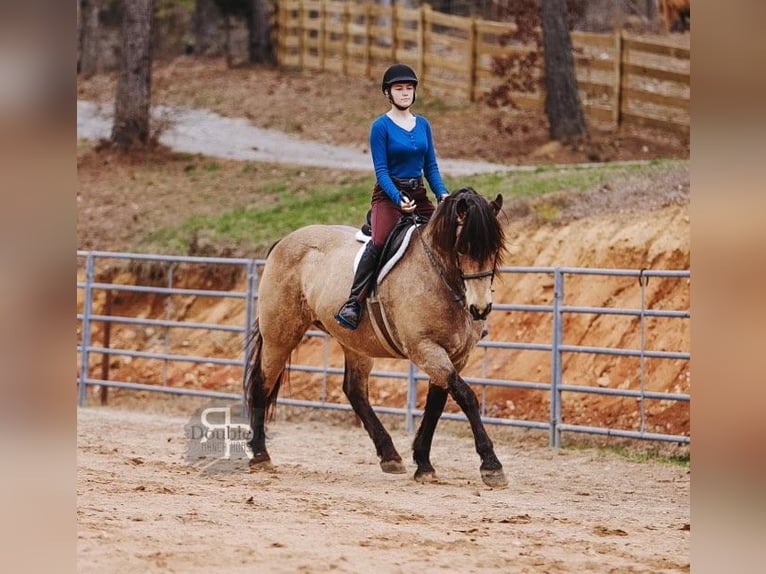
[480, 274]
[457, 296]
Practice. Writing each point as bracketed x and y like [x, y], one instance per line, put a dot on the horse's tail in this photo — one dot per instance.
[260, 402]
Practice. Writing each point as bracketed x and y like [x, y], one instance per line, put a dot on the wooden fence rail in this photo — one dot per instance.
[623, 79]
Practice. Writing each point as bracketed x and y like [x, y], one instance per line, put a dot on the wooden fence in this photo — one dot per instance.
[622, 78]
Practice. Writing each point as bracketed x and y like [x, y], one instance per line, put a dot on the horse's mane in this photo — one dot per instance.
[482, 237]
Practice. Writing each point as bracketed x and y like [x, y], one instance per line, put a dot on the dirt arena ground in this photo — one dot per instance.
[328, 507]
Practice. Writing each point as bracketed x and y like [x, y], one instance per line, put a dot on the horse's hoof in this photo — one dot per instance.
[260, 462]
[425, 476]
[393, 466]
[494, 478]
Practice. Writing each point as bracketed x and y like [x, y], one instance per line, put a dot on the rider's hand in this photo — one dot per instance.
[407, 205]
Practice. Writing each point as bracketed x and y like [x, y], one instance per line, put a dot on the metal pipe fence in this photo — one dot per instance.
[559, 391]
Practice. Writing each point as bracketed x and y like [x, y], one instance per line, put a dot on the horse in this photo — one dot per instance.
[436, 298]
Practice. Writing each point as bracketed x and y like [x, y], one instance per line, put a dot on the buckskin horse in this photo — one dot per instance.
[435, 300]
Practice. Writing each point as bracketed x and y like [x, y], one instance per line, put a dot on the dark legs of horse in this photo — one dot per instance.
[257, 426]
[350, 312]
[491, 470]
[264, 378]
[258, 402]
[355, 377]
[421, 446]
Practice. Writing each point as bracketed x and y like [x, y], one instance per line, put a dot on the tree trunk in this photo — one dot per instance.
[89, 44]
[227, 41]
[562, 104]
[260, 48]
[206, 27]
[131, 106]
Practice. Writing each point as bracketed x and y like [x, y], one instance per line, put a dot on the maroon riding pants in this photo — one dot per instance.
[385, 213]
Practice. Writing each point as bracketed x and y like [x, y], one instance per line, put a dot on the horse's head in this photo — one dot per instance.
[470, 239]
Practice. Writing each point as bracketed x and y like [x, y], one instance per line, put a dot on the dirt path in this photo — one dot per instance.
[208, 133]
[327, 506]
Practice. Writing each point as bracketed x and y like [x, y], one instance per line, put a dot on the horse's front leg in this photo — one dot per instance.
[491, 470]
[355, 377]
[434, 360]
[421, 446]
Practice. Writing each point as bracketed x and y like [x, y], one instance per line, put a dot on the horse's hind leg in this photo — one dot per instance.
[258, 401]
[269, 355]
[421, 446]
[355, 377]
[258, 387]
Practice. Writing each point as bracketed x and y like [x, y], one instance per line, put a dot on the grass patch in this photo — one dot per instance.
[291, 197]
[679, 459]
[535, 183]
[678, 455]
[256, 229]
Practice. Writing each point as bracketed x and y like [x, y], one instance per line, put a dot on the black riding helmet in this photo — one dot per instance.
[398, 73]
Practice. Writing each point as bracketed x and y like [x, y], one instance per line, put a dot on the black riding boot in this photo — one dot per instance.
[350, 312]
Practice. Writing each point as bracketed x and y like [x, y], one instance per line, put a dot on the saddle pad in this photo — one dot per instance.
[395, 256]
[358, 255]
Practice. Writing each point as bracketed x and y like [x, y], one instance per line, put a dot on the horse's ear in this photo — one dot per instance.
[497, 205]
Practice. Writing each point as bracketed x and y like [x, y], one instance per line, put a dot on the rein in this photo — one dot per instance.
[457, 297]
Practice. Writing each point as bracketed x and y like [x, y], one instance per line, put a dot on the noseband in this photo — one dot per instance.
[479, 275]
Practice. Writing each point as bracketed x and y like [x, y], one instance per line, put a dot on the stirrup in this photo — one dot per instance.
[345, 322]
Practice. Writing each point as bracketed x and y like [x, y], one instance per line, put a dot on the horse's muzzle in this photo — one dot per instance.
[479, 315]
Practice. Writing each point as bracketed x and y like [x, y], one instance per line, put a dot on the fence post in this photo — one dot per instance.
[425, 9]
[472, 63]
[412, 395]
[555, 415]
[104, 391]
[279, 34]
[168, 316]
[368, 41]
[394, 34]
[346, 37]
[322, 36]
[642, 281]
[249, 318]
[301, 32]
[87, 311]
[617, 96]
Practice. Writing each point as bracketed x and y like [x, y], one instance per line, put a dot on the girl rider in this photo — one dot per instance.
[403, 152]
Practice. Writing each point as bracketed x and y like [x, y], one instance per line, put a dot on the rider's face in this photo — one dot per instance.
[403, 93]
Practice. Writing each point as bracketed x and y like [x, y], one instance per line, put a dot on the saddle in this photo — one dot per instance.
[393, 250]
[395, 246]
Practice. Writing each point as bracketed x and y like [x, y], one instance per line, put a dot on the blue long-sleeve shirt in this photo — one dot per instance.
[404, 154]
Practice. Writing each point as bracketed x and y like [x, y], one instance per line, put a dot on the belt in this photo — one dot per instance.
[411, 183]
